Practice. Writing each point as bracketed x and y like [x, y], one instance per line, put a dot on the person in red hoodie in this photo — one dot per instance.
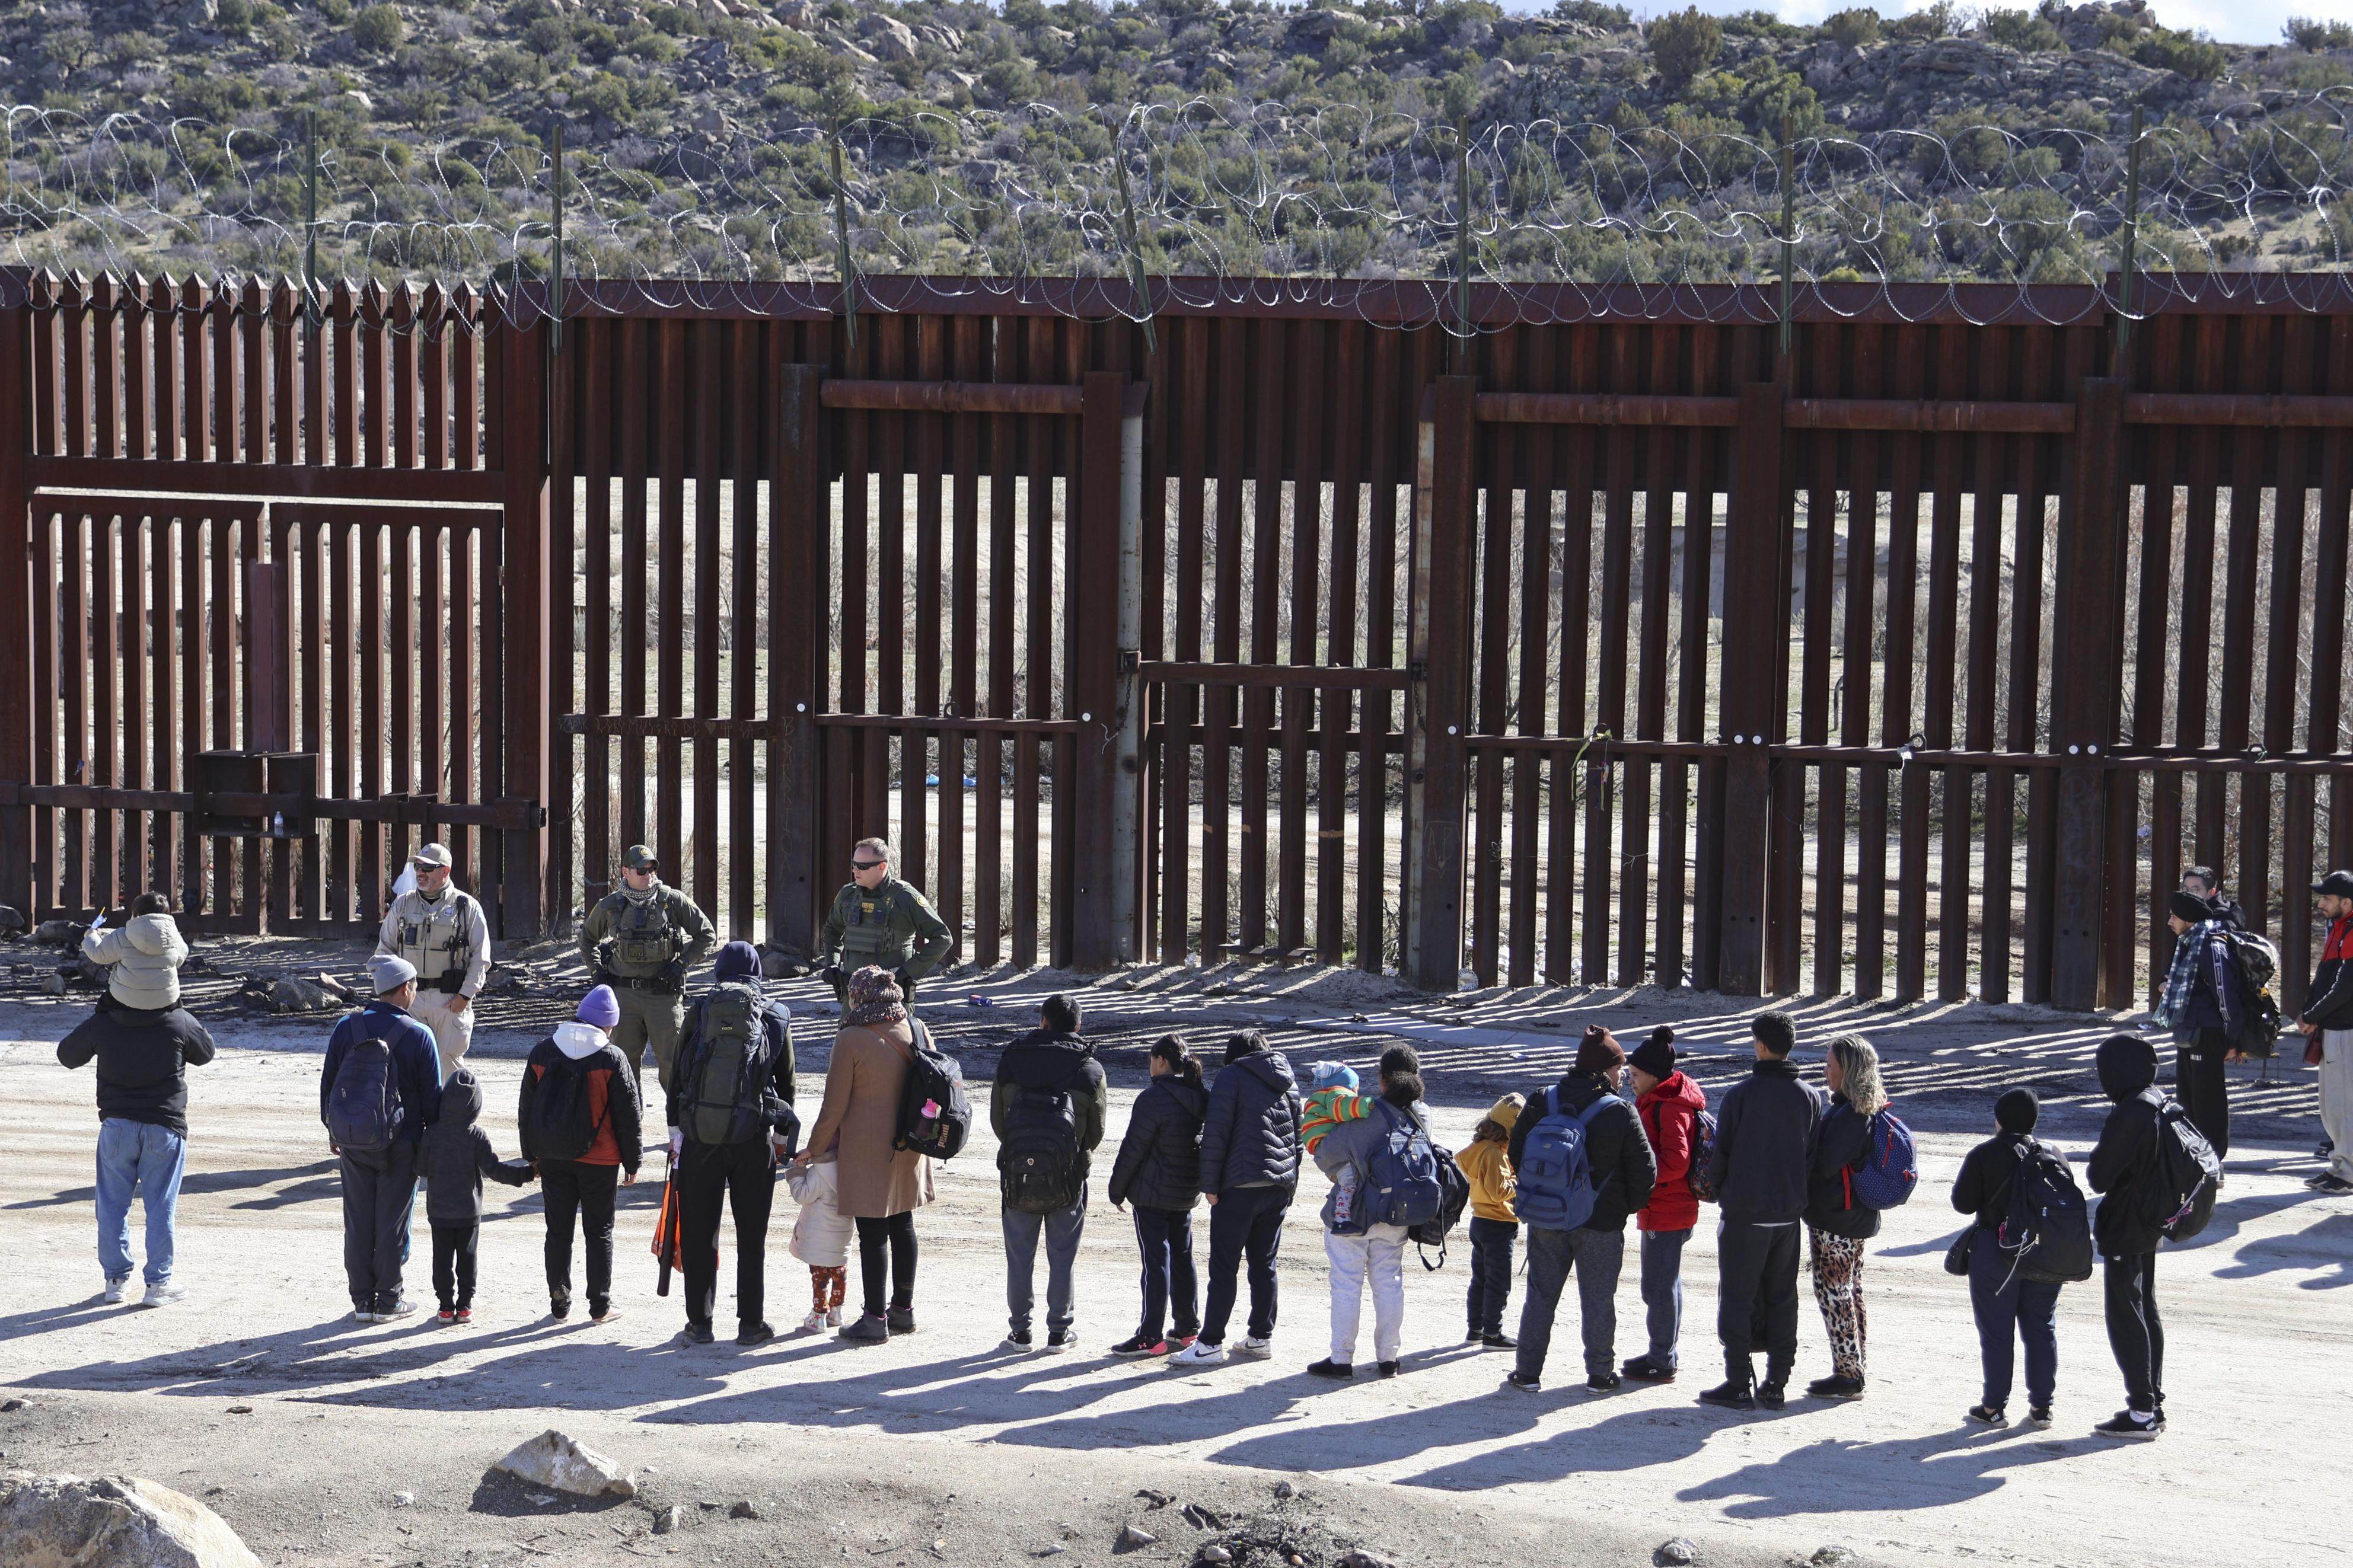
[579, 1120]
[1669, 1104]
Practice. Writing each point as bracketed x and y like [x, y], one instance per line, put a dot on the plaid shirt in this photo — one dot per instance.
[2210, 938]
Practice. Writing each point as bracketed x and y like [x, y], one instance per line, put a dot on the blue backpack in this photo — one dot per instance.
[364, 1106]
[1556, 1187]
[1889, 1168]
[1401, 1185]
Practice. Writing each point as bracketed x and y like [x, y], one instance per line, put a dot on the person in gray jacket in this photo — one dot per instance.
[453, 1157]
[1762, 1168]
[1249, 1170]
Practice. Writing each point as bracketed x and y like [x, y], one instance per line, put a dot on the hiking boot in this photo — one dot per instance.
[2039, 1416]
[696, 1334]
[1729, 1394]
[2132, 1423]
[1648, 1369]
[446, 1317]
[1772, 1395]
[748, 1334]
[1525, 1382]
[1061, 1339]
[1391, 1368]
[865, 1331]
[900, 1321]
[1255, 1345]
[1835, 1388]
[1496, 1340]
[603, 1312]
[1988, 1415]
[1603, 1382]
[114, 1290]
[163, 1293]
[1018, 1339]
[1139, 1345]
[1201, 1353]
[1327, 1367]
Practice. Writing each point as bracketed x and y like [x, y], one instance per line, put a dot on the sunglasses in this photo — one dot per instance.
[867, 865]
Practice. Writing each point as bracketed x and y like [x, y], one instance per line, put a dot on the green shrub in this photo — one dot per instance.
[2312, 35]
[1683, 46]
[379, 27]
[1856, 28]
[2184, 54]
[2023, 31]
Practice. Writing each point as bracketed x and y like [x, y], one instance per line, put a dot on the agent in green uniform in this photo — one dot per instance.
[882, 921]
[640, 940]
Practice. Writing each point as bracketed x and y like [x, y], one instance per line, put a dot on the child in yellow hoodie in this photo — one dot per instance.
[1494, 1224]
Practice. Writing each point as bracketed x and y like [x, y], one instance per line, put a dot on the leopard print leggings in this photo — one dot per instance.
[1837, 1263]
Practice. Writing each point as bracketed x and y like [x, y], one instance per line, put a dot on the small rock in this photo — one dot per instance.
[59, 933]
[10, 1408]
[1365, 1559]
[554, 1460]
[1834, 1557]
[1216, 1553]
[240, 1410]
[1054, 1550]
[403, 1499]
[1678, 1551]
[1285, 1489]
[742, 1508]
[667, 1519]
[11, 919]
[1133, 1539]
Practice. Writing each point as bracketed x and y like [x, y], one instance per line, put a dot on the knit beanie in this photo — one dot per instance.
[2189, 907]
[1600, 1050]
[736, 960]
[2017, 1110]
[1505, 1112]
[1656, 1055]
[600, 1008]
[1331, 1075]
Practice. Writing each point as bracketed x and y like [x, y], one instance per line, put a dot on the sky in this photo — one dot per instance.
[2231, 21]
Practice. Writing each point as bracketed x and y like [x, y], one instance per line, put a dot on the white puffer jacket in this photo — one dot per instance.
[821, 1234]
[146, 957]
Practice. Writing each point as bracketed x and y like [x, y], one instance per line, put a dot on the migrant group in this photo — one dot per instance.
[1791, 1168]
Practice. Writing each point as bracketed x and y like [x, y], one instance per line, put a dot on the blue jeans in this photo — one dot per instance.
[1662, 1291]
[1061, 1231]
[137, 1156]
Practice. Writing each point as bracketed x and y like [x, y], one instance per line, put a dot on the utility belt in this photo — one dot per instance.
[449, 982]
[651, 984]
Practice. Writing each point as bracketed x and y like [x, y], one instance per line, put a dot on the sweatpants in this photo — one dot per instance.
[654, 1018]
[2200, 1085]
[1596, 1257]
[1491, 1245]
[1172, 1296]
[2336, 1100]
[1837, 1263]
[1245, 1226]
[571, 1188]
[2135, 1333]
[742, 1176]
[455, 1245]
[379, 1191]
[1376, 1258]
[886, 1261]
[452, 1032]
[1061, 1231]
[1662, 1291]
[1757, 1297]
[2007, 1310]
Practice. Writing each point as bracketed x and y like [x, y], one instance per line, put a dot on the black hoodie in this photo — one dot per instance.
[1250, 1137]
[2126, 1153]
[1052, 1062]
[142, 1056]
[456, 1154]
[1159, 1163]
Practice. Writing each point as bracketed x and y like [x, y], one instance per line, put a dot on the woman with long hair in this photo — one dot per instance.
[1837, 1226]
[1159, 1169]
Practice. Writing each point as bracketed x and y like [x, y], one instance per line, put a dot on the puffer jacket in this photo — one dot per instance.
[455, 1154]
[1669, 1117]
[1616, 1150]
[2126, 1156]
[1250, 1137]
[1352, 1145]
[1842, 1145]
[144, 960]
[821, 1234]
[1159, 1161]
[143, 1059]
[1765, 1136]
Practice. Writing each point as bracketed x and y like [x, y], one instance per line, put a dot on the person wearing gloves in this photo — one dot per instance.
[580, 1122]
[642, 939]
[1363, 1254]
[1485, 1163]
[441, 933]
[731, 1124]
[2008, 1308]
[379, 1089]
[879, 920]
[1669, 1105]
[453, 1157]
[143, 959]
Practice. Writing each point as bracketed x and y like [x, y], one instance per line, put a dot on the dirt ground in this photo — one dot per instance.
[301, 1428]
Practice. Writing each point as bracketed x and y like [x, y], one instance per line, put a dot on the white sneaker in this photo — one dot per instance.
[114, 1290]
[833, 1317]
[401, 1309]
[812, 1324]
[1253, 1345]
[1201, 1353]
[163, 1294]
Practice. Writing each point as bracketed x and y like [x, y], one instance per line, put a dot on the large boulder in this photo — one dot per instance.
[113, 1521]
[561, 1463]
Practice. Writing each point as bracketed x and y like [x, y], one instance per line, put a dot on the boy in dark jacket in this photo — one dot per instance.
[453, 1157]
[2006, 1307]
[1249, 1170]
[2123, 1164]
[2326, 1022]
[580, 1122]
[1159, 1168]
[1765, 1136]
[380, 1185]
[1623, 1171]
[142, 1055]
[1042, 1155]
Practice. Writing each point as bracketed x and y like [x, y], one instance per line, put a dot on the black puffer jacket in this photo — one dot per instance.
[1765, 1133]
[455, 1154]
[1841, 1145]
[142, 1056]
[2126, 1156]
[1159, 1163]
[1982, 1189]
[1617, 1150]
[1250, 1137]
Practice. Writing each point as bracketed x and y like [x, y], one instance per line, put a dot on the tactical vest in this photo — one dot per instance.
[644, 939]
[432, 936]
[871, 936]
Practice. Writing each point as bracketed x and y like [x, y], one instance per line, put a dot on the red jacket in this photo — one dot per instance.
[1670, 1113]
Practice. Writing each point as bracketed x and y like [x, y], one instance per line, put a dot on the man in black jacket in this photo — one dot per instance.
[1765, 1136]
[1623, 1170]
[1047, 1108]
[2327, 1025]
[1250, 1169]
[2126, 1228]
[142, 1055]
[730, 1122]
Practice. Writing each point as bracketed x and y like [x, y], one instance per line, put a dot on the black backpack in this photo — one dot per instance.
[560, 1125]
[718, 1108]
[1040, 1158]
[1454, 1196]
[2185, 1177]
[2048, 1232]
[934, 1117]
[363, 1108]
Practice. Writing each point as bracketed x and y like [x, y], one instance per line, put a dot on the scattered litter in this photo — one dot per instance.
[667, 1519]
[240, 1410]
[1678, 1551]
[403, 1499]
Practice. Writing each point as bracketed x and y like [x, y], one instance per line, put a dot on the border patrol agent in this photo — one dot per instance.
[640, 939]
[877, 919]
[440, 931]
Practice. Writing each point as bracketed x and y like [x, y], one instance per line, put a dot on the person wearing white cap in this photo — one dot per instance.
[378, 1089]
[440, 930]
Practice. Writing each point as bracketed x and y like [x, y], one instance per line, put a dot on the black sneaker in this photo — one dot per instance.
[1391, 1368]
[754, 1335]
[697, 1334]
[1496, 1340]
[1140, 1345]
[2039, 1416]
[1474, 1336]
[1603, 1382]
[1648, 1369]
[1327, 1367]
[1525, 1382]
[1061, 1339]
[559, 1306]
[1018, 1339]
[2331, 1184]
[2132, 1423]
[1729, 1395]
[1835, 1388]
[1988, 1415]
[1772, 1395]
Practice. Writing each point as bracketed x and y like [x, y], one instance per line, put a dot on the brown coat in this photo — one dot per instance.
[859, 1120]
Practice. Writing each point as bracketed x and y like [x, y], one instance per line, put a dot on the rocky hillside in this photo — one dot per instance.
[174, 134]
